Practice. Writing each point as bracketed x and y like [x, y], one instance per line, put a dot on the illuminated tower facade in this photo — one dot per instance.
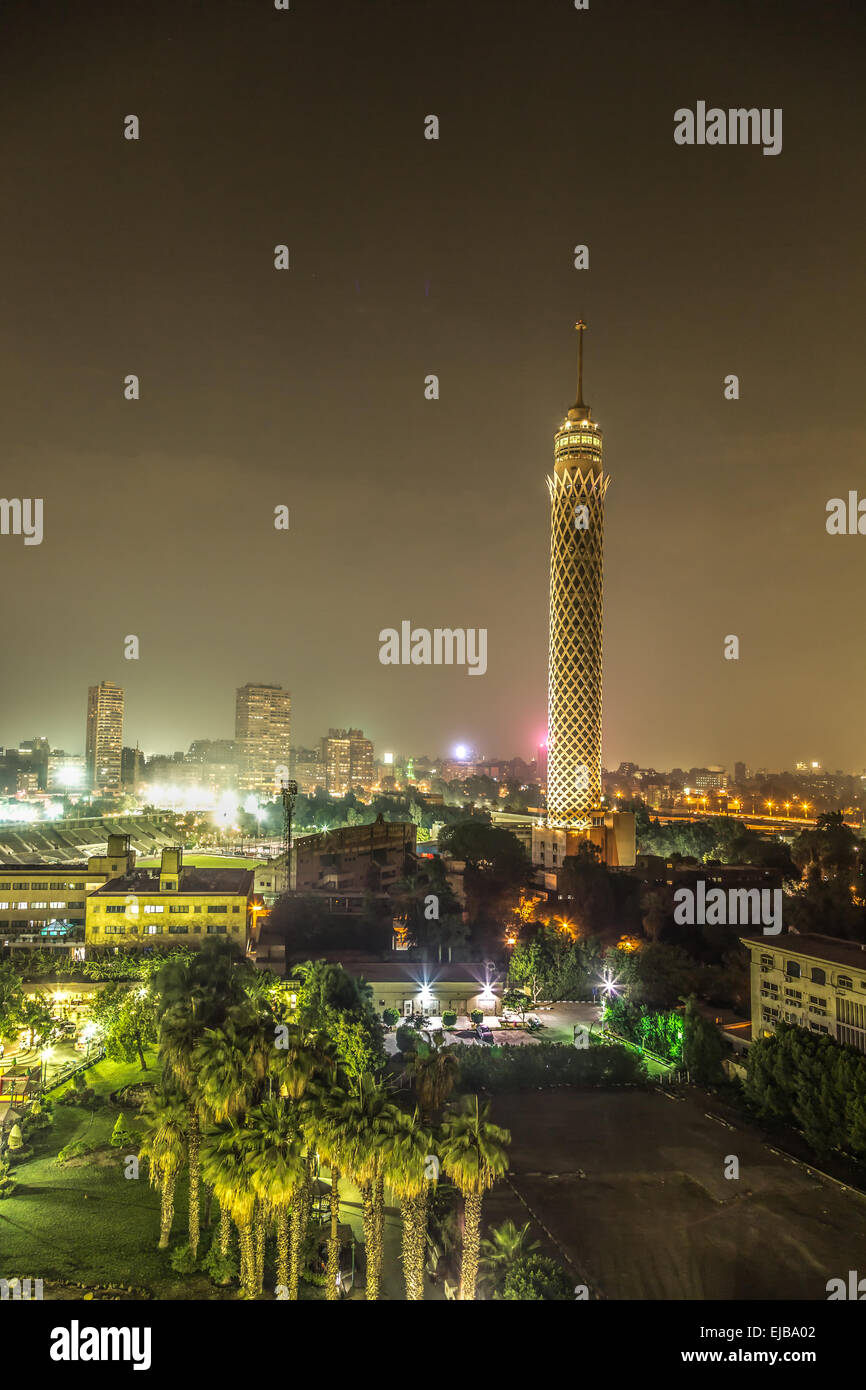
[105, 737]
[577, 490]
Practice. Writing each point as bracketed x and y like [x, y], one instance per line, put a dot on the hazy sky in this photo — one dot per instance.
[409, 257]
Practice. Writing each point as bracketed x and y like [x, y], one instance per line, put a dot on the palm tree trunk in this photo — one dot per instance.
[283, 1246]
[260, 1228]
[301, 1204]
[225, 1230]
[193, 1146]
[414, 1212]
[471, 1236]
[332, 1292]
[166, 1215]
[369, 1217]
[208, 1202]
[248, 1259]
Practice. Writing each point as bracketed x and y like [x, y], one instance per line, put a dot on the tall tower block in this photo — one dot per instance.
[577, 490]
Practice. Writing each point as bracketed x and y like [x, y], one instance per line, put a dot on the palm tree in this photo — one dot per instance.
[474, 1154]
[194, 995]
[229, 1065]
[225, 1167]
[434, 1068]
[164, 1146]
[274, 1154]
[365, 1118]
[327, 1128]
[507, 1244]
[408, 1150]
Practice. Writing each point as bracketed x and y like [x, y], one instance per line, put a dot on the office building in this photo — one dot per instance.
[104, 741]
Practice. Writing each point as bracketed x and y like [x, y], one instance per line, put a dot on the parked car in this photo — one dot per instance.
[483, 1033]
[533, 1023]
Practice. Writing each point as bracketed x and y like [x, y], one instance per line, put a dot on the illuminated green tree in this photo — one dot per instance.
[410, 1167]
[164, 1148]
[474, 1154]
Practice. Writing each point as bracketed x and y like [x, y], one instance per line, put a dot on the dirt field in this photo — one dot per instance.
[631, 1187]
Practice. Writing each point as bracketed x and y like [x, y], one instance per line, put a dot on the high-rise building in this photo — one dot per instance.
[104, 746]
[577, 491]
[263, 717]
[347, 760]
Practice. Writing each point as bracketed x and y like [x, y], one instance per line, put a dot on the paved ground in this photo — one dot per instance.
[630, 1185]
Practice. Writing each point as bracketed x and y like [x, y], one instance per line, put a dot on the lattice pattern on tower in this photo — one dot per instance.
[575, 651]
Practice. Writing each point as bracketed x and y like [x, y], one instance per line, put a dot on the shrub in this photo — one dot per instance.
[122, 1137]
[76, 1149]
[221, 1269]
[449, 1018]
[476, 1016]
[7, 1182]
[407, 1039]
[16, 1138]
[533, 1278]
[548, 1064]
[183, 1261]
[390, 1017]
[40, 1115]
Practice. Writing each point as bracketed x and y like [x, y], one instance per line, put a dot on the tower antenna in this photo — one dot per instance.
[581, 329]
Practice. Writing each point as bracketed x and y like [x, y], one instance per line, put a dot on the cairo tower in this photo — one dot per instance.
[577, 491]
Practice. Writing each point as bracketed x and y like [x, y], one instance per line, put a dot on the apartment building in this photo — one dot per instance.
[347, 761]
[354, 858]
[104, 741]
[814, 982]
[263, 720]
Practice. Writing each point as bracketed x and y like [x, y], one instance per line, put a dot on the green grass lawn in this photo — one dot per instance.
[88, 1222]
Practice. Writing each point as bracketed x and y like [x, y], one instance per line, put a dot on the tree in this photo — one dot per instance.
[327, 1125]
[368, 1117]
[194, 994]
[506, 1244]
[434, 1067]
[408, 1149]
[703, 1048]
[126, 1019]
[11, 998]
[516, 1001]
[474, 1154]
[164, 1147]
[533, 963]
[271, 1141]
[224, 1164]
[496, 862]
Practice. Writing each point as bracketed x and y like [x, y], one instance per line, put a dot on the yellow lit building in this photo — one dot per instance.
[37, 899]
[172, 905]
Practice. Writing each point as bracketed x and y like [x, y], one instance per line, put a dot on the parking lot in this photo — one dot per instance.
[628, 1188]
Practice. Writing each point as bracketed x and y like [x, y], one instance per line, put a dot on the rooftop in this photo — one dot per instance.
[826, 948]
[145, 881]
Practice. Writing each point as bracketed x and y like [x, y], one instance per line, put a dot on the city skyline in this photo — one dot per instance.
[305, 389]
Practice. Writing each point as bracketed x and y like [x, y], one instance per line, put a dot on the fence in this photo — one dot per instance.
[70, 1068]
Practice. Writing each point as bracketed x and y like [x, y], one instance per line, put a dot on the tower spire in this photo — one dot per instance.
[580, 410]
[581, 329]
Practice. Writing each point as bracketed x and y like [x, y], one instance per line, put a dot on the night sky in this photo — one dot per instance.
[410, 257]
